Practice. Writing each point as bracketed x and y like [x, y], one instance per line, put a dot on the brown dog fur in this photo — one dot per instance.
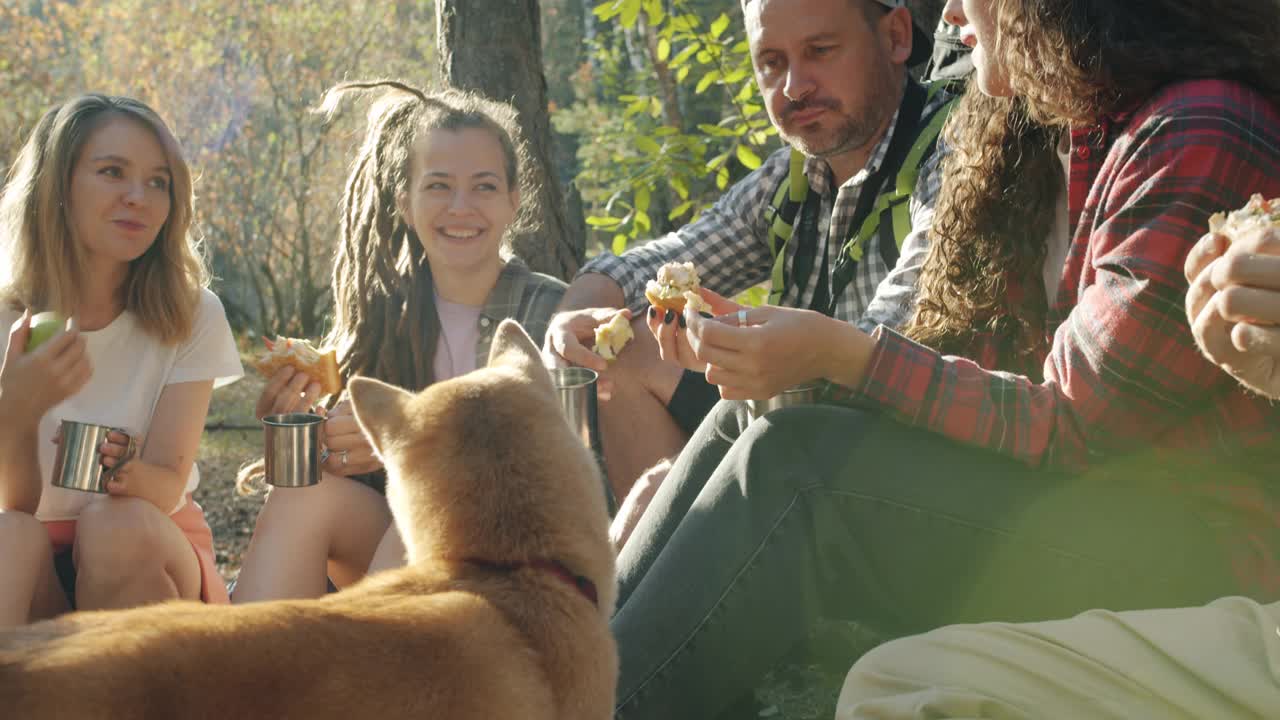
[481, 467]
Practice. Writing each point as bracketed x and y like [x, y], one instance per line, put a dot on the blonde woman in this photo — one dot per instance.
[95, 221]
[423, 277]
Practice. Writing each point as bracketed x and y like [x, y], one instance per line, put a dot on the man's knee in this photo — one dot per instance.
[800, 445]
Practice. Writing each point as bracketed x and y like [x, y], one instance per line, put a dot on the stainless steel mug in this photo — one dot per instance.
[78, 463]
[802, 394]
[292, 449]
[576, 389]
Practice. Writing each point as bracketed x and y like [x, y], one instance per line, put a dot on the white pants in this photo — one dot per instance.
[1221, 661]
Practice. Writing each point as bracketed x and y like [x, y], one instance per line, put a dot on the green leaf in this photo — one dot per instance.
[648, 145]
[603, 221]
[719, 26]
[607, 9]
[683, 56]
[641, 221]
[717, 161]
[706, 81]
[748, 157]
[655, 107]
[653, 8]
[679, 210]
[680, 186]
[619, 244]
[630, 13]
[682, 73]
[642, 200]
[716, 130]
[664, 49]
[722, 178]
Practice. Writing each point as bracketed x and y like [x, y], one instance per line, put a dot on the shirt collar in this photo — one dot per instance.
[506, 293]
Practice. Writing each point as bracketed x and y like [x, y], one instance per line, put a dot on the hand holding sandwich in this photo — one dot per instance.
[1233, 304]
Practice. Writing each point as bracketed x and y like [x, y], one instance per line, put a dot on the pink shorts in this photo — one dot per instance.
[190, 520]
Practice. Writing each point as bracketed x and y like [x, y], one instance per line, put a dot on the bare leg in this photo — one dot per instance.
[304, 533]
[29, 588]
[636, 429]
[633, 507]
[129, 553]
[390, 553]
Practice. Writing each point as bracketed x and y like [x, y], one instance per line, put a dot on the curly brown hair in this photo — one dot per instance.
[1069, 62]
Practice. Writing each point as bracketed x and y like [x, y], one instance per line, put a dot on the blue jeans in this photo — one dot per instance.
[827, 511]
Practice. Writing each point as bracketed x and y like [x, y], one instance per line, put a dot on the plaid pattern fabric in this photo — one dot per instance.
[1123, 371]
[529, 297]
[729, 243]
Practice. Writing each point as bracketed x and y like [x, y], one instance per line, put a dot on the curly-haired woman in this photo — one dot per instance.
[1045, 437]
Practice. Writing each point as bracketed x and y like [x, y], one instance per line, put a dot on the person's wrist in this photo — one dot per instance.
[847, 354]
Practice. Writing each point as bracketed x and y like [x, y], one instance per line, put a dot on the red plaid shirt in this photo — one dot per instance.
[1123, 371]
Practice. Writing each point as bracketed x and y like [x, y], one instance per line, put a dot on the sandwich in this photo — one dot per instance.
[612, 336]
[1257, 214]
[319, 365]
[676, 286]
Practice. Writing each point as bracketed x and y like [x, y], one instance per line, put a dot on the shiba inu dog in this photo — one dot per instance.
[502, 611]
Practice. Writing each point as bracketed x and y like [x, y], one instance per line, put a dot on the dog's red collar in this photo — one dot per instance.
[579, 582]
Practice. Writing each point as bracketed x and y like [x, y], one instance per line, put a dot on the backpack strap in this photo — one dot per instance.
[781, 216]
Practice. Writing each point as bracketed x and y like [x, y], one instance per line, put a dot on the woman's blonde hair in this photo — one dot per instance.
[1069, 62]
[48, 264]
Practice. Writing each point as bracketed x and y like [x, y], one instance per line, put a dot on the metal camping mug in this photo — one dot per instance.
[576, 389]
[802, 394]
[78, 463]
[292, 449]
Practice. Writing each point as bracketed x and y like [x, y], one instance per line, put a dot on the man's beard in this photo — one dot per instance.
[856, 130]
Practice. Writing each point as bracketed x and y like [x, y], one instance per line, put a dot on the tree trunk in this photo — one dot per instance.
[493, 47]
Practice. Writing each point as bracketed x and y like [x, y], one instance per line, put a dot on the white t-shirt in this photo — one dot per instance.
[1059, 241]
[130, 369]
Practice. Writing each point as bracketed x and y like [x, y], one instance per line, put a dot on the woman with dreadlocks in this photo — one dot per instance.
[422, 279]
[1045, 437]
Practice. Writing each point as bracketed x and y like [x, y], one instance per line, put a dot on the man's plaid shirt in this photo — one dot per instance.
[729, 243]
[1123, 371]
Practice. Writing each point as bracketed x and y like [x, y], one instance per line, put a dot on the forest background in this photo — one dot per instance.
[641, 112]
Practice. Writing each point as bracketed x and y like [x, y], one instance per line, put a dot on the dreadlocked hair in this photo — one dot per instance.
[385, 320]
[1001, 177]
[385, 324]
[1069, 63]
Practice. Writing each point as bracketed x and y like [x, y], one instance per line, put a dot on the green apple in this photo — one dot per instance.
[44, 326]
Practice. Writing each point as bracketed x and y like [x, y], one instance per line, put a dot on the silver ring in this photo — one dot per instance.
[742, 318]
[342, 458]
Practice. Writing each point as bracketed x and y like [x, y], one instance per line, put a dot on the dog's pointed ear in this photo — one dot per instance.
[379, 408]
[513, 348]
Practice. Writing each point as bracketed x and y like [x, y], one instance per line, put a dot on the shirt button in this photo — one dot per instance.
[1083, 152]
[484, 322]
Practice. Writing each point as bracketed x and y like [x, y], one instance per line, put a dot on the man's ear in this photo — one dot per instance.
[896, 35]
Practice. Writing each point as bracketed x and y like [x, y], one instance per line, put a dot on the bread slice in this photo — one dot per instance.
[612, 336]
[319, 365]
[676, 281]
[1257, 214]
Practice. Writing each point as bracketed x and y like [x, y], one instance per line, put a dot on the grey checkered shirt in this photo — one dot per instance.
[729, 243]
[529, 297]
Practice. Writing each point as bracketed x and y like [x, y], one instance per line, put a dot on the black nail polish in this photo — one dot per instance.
[653, 312]
[671, 315]
[683, 323]
[706, 315]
